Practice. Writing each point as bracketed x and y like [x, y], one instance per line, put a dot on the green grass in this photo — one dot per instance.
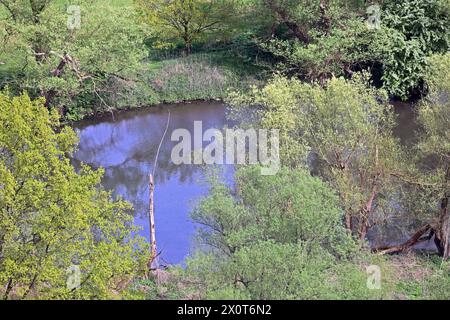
[202, 76]
[420, 276]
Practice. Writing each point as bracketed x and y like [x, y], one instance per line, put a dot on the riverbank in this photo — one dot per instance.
[197, 78]
[419, 275]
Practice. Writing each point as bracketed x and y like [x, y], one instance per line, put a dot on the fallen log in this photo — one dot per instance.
[415, 239]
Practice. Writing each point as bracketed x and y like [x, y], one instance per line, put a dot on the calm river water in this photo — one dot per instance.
[125, 147]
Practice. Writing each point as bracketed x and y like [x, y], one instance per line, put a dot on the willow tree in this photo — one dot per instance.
[53, 219]
[435, 118]
[429, 183]
[343, 133]
[187, 20]
[271, 237]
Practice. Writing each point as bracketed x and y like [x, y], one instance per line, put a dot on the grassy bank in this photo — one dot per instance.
[420, 276]
[414, 276]
[201, 76]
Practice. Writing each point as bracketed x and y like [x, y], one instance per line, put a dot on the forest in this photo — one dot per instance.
[358, 92]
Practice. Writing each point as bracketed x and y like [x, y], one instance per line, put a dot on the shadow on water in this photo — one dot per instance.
[126, 148]
[407, 127]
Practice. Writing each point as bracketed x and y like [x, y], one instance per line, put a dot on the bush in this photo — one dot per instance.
[418, 29]
[274, 237]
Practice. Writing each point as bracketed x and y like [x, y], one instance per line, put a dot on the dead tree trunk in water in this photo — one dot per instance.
[416, 238]
[440, 231]
[153, 264]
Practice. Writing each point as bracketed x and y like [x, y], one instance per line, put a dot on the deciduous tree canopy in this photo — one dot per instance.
[52, 218]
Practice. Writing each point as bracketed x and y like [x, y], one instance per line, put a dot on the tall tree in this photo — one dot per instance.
[343, 133]
[53, 219]
[187, 20]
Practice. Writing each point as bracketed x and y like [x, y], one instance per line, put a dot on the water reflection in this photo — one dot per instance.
[126, 149]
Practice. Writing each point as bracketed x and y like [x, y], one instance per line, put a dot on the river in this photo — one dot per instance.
[125, 146]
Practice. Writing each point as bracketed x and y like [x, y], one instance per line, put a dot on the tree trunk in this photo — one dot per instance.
[348, 222]
[187, 46]
[366, 212]
[153, 263]
[49, 95]
[325, 21]
[442, 232]
[9, 287]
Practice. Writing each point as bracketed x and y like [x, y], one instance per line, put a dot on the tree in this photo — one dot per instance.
[426, 181]
[79, 69]
[271, 237]
[340, 52]
[53, 218]
[342, 132]
[316, 40]
[429, 183]
[187, 20]
[304, 209]
[417, 29]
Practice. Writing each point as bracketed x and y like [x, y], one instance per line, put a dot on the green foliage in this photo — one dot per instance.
[273, 237]
[287, 236]
[418, 29]
[434, 115]
[403, 65]
[426, 21]
[431, 178]
[339, 52]
[186, 20]
[436, 286]
[316, 41]
[341, 131]
[421, 277]
[52, 217]
[269, 270]
[291, 214]
[78, 70]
